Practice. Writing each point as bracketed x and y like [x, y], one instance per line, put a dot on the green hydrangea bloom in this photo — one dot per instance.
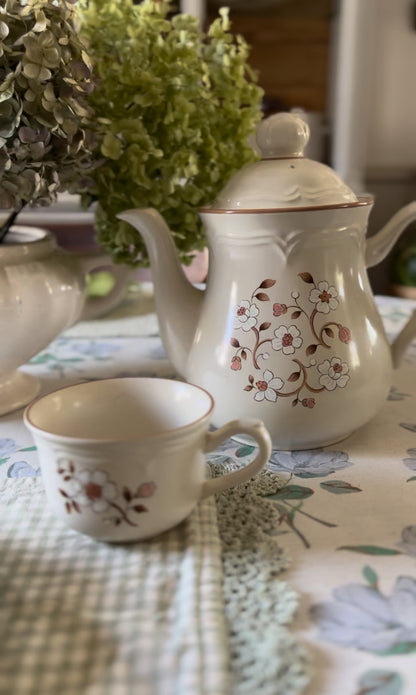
[174, 108]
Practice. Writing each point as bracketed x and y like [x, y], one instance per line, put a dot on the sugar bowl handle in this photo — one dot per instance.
[97, 306]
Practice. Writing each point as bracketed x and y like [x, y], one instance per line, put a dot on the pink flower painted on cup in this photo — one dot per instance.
[95, 490]
[267, 387]
[287, 339]
[245, 315]
[344, 334]
[334, 373]
[236, 363]
[324, 297]
[146, 490]
[279, 309]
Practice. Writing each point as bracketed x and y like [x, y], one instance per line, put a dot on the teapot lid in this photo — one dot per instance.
[283, 178]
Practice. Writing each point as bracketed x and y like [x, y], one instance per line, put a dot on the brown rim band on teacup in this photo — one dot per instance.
[174, 431]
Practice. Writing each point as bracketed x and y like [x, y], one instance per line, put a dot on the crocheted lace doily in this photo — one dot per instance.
[266, 657]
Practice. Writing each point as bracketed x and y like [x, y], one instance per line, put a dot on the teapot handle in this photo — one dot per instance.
[378, 246]
[96, 306]
[403, 340]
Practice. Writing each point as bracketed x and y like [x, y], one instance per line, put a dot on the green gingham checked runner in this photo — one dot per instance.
[78, 617]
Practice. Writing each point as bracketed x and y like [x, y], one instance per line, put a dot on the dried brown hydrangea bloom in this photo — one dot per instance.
[45, 76]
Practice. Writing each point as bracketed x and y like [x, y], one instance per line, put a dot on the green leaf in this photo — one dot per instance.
[292, 492]
[42, 358]
[410, 479]
[411, 426]
[243, 451]
[29, 448]
[339, 487]
[370, 576]
[4, 460]
[370, 549]
[402, 648]
[71, 359]
[379, 682]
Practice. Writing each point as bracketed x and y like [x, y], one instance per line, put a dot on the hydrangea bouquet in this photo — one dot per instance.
[174, 108]
[45, 77]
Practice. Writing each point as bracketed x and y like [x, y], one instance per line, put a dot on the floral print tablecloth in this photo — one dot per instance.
[348, 522]
[347, 513]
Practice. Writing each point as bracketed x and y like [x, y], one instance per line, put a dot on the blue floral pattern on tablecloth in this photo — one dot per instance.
[361, 616]
[378, 615]
[312, 463]
[21, 467]
[336, 507]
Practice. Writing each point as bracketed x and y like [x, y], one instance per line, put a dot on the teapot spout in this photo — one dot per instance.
[178, 302]
[380, 244]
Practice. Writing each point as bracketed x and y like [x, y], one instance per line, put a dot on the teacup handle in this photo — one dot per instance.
[255, 429]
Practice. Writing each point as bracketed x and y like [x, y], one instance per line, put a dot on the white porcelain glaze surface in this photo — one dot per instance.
[296, 336]
[42, 292]
[283, 178]
[123, 459]
[287, 329]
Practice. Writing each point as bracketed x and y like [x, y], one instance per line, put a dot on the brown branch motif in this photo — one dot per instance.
[93, 489]
[308, 377]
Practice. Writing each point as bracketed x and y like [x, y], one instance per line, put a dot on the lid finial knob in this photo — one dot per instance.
[282, 135]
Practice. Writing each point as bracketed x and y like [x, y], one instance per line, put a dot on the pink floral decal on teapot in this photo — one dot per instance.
[309, 378]
[93, 489]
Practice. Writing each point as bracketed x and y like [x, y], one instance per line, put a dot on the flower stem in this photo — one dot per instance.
[122, 512]
[289, 521]
[8, 223]
[312, 325]
[258, 344]
[329, 524]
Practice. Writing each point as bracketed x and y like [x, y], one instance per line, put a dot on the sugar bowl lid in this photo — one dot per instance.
[283, 178]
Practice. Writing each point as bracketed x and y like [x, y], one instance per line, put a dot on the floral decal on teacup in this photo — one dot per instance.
[93, 489]
[291, 340]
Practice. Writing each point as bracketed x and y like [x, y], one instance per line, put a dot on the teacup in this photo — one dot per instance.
[123, 459]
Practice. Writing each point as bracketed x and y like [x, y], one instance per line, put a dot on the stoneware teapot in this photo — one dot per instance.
[42, 292]
[287, 329]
